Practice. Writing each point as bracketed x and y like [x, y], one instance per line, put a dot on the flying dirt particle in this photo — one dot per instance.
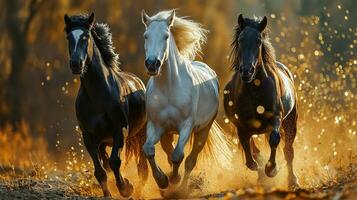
[260, 109]
[230, 103]
[255, 123]
[256, 82]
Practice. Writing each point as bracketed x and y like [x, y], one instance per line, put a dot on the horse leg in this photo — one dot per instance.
[259, 160]
[123, 185]
[199, 142]
[256, 151]
[99, 172]
[166, 143]
[244, 139]
[104, 156]
[153, 136]
[274, 139]
[289, 125]
[185, 131]
[142, 165]
[143, 171]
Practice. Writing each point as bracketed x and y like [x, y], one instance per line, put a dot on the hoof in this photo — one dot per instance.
[293, 184]
[252, 165]
[161, 180]
[126, 190]
[270, 169]
[174, 179]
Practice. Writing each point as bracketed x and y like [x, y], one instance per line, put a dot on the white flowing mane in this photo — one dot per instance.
[189, 35]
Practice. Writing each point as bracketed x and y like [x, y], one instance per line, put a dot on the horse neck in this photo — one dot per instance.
[96, 79]
[174, 68]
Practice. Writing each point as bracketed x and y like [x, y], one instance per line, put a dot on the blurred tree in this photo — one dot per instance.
[17, 30]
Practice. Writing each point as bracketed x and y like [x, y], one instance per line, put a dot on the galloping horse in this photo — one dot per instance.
[261, 97]
[110, 104]
[182, 96]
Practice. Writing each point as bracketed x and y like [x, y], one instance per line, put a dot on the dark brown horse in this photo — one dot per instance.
[110, 104]
[261, 97]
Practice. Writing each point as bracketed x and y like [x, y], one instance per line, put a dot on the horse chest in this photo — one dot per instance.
[256, 109]
[170, 108]
[92, 118]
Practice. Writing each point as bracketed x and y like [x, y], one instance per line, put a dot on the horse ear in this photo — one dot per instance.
[91, 20]
[67, 20]
[241, 22]
[145, 18]
[171, 18]
[263, 24]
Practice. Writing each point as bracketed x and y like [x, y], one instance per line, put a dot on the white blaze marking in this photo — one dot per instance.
[76, 34]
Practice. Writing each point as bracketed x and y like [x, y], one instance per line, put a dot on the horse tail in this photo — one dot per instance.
[134, 145]
[133, 149]
[219, 146]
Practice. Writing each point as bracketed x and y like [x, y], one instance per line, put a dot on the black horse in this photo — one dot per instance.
[261, 97]
[110, 104]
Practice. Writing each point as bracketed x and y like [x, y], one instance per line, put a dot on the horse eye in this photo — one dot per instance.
[145, 36]
[166, 37]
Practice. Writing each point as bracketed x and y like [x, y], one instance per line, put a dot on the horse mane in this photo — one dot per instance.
[102, 38]
[189, 35]
[268, 52]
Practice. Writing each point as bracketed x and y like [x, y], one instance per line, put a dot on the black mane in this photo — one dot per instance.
[102, 38]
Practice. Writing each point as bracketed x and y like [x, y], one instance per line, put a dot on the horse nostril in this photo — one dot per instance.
[157, 63]
[147, 63]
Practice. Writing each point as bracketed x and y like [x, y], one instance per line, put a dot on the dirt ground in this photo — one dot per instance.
[22, 184]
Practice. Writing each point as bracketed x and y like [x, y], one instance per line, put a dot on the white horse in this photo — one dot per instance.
[182, 96]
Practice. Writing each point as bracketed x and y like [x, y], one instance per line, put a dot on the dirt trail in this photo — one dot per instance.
[22, 184]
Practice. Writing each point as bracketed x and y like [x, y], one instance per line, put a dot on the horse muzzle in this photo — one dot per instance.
[247, 74]
[76, 66]
[153, 66]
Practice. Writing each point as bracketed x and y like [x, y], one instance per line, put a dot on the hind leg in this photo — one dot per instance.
[199, 142]
[274, 140]
[142, 165]
[244, 139]
[143, 172]
[259, 159]
[166, 143]
[104, 156]
[256, 152]
[99, 172]
[289, 125]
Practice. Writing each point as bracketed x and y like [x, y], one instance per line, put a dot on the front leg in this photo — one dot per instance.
[185, 131]
[274, 139]
[244, 139]
[154, 134]
[99, 172]
[123, 185]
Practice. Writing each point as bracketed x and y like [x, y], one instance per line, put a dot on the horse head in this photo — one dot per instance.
[249, 43]
[78, 29]
[156, 36]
